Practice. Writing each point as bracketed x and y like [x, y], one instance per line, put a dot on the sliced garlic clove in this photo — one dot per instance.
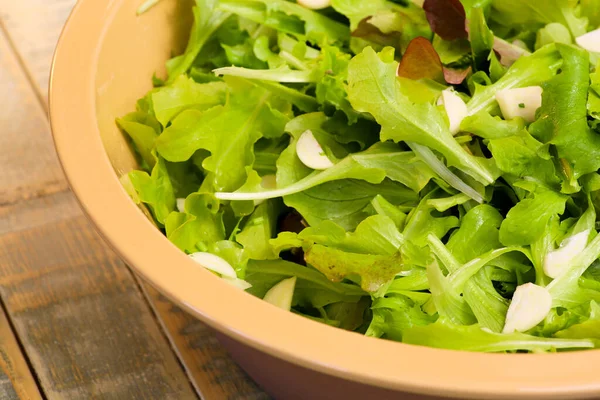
[529, 306]
[590, 41]
[181, 205]
[456, 109]
[281, 294]
[311, 153]
[521, 102]
[215, 264]
[557, 261]
[315, 4]
[238, 283]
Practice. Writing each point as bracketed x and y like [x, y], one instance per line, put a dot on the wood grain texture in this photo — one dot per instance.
[16, 381]
[210, 369]
[214, 373]
[29, 167]
[77, 310]
[34, 27]
[81, 318]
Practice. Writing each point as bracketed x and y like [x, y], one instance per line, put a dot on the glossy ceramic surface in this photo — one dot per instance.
[104, 63]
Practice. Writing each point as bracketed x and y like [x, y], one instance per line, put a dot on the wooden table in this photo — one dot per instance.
[75, 323]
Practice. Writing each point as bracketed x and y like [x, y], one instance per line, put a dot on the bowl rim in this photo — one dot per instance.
[241, 316]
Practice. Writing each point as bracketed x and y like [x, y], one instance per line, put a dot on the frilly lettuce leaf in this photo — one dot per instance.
[531, 14]
[289, 18]
[168, 101]
[228, 132]
[393, 315]
[373, 88]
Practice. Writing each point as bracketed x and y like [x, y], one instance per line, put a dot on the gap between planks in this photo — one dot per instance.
[226, 381]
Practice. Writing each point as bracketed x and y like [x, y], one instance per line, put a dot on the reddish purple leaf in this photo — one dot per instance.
[421, 61]
[456, 76]
[447, 18]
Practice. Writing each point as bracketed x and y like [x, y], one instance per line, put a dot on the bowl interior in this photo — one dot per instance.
[126, 65]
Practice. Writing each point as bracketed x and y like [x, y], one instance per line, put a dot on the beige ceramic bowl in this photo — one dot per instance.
[104, 62]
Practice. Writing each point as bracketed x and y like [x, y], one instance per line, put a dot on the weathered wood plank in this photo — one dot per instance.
[78, 312]
[215, 374]
[34, 27]
[16, 381]
[29, 168]
[212, 372]
[81, 318]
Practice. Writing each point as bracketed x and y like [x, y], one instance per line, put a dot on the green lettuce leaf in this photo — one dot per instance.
[169, 101]
[143, 129]
[199, 225]
[528, 14]
[347, 202]
[526, 71]
[289, 18]
[207, 19]
[422, 221]
[446, 335]
[370, 271]
[563, 116]
[518, 156]
[373, 88]
[375, 235]
[527, 221]
[312, 289]
[259, 229]
[155, 190]
[393, 315]
[228, 132]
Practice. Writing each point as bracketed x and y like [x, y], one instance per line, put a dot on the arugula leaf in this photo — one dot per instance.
[563, 116]
[393, 315]
[259, 229]
[371, 271]
[289, 18]
[587, 329]
[373, 88]
[312, 288]
[526, 71]
[593, 104]
[565, 289]
[169, 101]
[519, 13]
[526, 222]
[375, 235]
[485, 126]
[347, 202]
[155, 190]
[201, 224]
[207, 19]
[372, 165]
[553, 33]
[446, 335]
[518, 155]
[478, 234]
[143, 129]
[421, 222]
[591, 9]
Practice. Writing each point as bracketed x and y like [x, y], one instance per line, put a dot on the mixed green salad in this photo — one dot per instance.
[425, 172]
